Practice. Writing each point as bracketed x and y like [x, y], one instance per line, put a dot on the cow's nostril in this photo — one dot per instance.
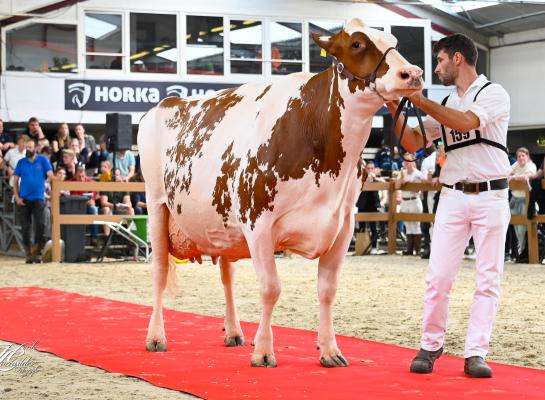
[405, 76]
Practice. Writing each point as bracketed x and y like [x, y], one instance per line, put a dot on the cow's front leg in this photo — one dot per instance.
[329, 270]
[158, 231]
[233, 331]
[269, 288]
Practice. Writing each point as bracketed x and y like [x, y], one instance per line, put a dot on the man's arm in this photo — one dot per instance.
[458, 120]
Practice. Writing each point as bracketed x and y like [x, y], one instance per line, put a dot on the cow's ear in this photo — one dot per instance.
[324, 42]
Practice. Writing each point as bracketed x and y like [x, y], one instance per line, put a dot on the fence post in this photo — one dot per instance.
[55, 226]
[392, 222]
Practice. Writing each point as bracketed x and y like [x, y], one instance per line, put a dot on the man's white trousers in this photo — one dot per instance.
[485, 216]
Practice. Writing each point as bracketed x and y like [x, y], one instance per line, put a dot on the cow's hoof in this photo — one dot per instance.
[264, 361]
[156, 346]
[234, 341]
[334, 361]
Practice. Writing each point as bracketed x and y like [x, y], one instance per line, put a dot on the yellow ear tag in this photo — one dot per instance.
[323, 53]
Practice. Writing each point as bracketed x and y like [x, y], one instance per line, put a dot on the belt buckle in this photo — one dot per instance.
[470, 188]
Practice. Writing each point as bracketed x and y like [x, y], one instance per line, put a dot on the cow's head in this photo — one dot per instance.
[361, 50]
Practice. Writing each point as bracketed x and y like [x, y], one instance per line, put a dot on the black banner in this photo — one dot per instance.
[114, 96]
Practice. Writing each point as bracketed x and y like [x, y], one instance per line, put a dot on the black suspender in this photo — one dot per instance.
[478, 137]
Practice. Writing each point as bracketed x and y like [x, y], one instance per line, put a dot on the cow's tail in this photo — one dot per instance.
[172, 287]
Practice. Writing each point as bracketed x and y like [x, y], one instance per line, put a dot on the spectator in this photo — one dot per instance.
[6, 140]
[69, 163]
[14, 155]
[92, 208]
[125, 161]
[32, 172]
[410, 203]
[369, 201]
[34, 132]
[60, 142]
[81, 154]
[522, 170]
[105, 172]
[115, 202]
[86, 141]
[138, 199]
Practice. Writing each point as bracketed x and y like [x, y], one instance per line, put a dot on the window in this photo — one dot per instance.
[153, 43]
[42, 48]
[246, 38]
[435, 80]
[323, 28]
[410, 41]
[286, 47]
[103, 41]
[204, 50]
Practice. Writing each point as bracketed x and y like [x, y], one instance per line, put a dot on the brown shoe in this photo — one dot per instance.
[477, 367]
[424, 360]
[36, 253]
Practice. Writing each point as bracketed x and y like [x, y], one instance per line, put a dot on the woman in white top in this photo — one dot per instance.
[411, 203]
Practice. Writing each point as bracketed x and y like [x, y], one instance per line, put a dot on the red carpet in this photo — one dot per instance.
[110, 335]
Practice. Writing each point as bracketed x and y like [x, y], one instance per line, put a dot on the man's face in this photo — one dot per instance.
[446, 69]
[33, 126]
[21, 145]
[30, 146]
[80, 175]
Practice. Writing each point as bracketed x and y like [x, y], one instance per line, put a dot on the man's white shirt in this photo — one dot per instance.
[477, 162]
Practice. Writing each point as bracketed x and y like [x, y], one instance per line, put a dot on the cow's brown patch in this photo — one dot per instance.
[196, 121]
[306, 137]
[222, 199]
[263, 93]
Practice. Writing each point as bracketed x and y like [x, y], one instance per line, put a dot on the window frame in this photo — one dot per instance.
[25, 23]
[123, 53]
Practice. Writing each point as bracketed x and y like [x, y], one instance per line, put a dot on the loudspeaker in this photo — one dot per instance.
[119, 131]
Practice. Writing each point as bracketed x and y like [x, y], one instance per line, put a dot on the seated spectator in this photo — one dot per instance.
[6, 140]
[81, 154]
[125, 161]
[118, 203]
[102, 149]
[46, 152]
[60, 142]
[138, 199]
[88, 142]
[92, 208]
[105, 172]
[69, 162]
[35, 133]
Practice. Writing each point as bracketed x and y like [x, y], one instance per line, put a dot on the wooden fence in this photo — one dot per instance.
[58, 219]
[391, 217]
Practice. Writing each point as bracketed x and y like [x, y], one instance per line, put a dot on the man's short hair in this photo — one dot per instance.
[32, 119]
[523, 150]
[457, 43]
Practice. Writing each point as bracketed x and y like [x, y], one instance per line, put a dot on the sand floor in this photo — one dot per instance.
[380, 298]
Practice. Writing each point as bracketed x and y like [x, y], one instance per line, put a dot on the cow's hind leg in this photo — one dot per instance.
[263, 259]
[158, 231]
[329, 269]
[233, 331]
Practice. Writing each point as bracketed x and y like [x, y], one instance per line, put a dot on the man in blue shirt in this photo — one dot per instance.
[32, 172]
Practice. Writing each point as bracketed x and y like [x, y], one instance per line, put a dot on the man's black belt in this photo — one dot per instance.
[409, 198]
[477, 187]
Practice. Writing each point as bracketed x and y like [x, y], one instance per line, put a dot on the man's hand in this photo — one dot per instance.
[416, 99]
[19, 201]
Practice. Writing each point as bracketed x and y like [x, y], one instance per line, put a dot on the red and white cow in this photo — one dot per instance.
[265, 167]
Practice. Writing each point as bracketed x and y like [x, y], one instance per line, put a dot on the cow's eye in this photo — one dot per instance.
[356, 45]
